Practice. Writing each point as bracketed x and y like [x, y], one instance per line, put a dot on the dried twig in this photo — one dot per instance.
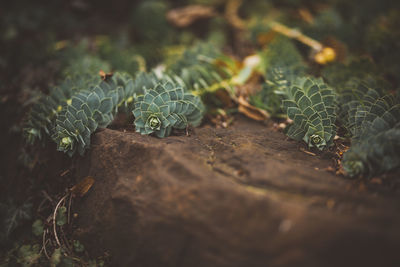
[54, 219]
[296, 34]
[47, 196]
[44, 242]
[66, 244]
[69, 207]
[307, 152]
[185, 16]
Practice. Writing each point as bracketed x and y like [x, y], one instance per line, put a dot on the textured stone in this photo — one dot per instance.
[242, 196]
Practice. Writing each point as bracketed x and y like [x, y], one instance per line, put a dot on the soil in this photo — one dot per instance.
[240, 196]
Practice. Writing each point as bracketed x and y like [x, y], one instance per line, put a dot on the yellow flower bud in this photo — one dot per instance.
[329, 54]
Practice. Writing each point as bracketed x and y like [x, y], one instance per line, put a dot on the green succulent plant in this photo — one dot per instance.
[200, 68]
[353, 102]
[274, 91]
[310, 105]
[373, 120]
[281, 63]
[44, 113]
[147, 80]
[339, 75]
[80, 72]
[165, 107]
[281, 53]
[374, 155]
[124, 80]
[89, 110]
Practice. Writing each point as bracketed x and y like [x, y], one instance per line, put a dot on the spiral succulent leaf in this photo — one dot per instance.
[165, 107]
[88, 110]
[311, 107]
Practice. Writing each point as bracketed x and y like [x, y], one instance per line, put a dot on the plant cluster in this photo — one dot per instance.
[85, 112]
[351, 98]
[310, 105]
[82, 103]
[281, 65]
[169, 96]
[372, 119]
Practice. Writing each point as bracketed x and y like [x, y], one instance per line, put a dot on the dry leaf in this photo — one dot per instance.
[307, 152]
[376, 181]
[104, 76]
[83, 186]
[251, 111]
[224, 97]
[183, 17]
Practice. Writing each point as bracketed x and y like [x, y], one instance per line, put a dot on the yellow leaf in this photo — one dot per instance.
[251, 111]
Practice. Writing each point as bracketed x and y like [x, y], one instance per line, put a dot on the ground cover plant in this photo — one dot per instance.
[327, 74]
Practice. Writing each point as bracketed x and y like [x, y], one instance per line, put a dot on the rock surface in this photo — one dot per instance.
[242, 196]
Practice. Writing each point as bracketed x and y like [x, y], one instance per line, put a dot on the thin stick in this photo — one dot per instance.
[44, 242]
[66, 244]
[307, 152]
[69, 207]
[54, 219]
[47, 196]
[296, 34]
[231, 14]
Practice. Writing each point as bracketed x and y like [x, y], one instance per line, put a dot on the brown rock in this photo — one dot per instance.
[242, 196]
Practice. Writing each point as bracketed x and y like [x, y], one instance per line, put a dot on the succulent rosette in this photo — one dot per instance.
[311, 107]
[165, 107]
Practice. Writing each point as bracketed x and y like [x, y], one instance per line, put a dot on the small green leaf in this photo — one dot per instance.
[106, 105]
[37, 228]
[78, 247]
[55, 257]
[61, 217]
[93, 100]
